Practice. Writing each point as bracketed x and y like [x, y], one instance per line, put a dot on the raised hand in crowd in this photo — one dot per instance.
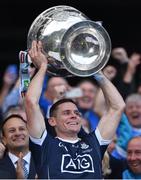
[2, 150]
[60, 91]
[120, 54]
[134, 61]
[110, 72]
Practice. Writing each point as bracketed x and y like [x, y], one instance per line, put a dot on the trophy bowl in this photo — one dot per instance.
[74, 44]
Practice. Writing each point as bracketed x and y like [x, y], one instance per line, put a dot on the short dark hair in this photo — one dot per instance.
[89, 80]
[9, 117]
[57, 103]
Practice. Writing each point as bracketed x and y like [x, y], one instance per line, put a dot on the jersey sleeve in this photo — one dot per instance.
[39, 141]
[100, 139]
[40, 149]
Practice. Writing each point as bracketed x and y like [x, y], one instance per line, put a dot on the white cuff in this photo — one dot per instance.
[100, 139]
[39, 141]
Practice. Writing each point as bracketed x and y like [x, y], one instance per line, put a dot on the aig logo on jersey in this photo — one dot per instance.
[81, 164]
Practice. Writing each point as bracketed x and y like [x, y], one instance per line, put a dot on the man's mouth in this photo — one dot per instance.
[73, 123]
[135, 116]
[19, 139]
[134, 164]
[86, 100]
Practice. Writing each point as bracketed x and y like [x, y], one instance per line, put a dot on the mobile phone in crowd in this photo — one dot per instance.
[74, 93]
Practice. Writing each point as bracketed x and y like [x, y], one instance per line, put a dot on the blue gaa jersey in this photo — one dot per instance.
[60, 159]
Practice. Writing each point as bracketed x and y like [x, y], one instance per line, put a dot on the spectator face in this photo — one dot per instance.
[67, 120]
[15, 134]
[134, 155]
[17, 110]
[89, 92]
[133, 111]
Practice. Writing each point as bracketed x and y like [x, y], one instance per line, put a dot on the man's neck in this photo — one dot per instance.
[17, 152]
[69, 140]
[68, 136]
[48, 97]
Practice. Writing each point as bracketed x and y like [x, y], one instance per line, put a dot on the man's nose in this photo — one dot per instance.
[134, 108]
[73, 114]
[76, 114]
[17, 132]
[132, 156]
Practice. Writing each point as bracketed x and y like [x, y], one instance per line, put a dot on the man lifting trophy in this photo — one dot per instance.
[63, 41]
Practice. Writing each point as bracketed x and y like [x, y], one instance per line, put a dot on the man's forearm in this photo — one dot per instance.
[113, 98]
[115, 106]
[35, 87]
[35, 123]
[35, 119]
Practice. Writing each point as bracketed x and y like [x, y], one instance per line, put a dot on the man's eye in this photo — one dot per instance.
[78, 114]
[66, 112]
[138, 152]
[22, 129]
[129, 152]
[75, 112]
[11, 130]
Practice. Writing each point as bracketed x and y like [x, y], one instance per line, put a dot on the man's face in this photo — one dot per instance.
[134, 155]
[67, 120]
[89, 92]
[15, 134]
[133, 111]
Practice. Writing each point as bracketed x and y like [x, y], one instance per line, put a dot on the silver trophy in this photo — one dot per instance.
[74, 44]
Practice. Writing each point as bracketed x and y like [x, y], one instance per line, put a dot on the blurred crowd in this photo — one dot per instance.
[123, 155]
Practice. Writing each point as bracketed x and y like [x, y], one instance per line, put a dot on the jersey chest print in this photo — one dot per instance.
[80, 163]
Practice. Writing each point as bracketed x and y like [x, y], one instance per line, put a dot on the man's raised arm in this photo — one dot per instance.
[35, 119]
[115, 105]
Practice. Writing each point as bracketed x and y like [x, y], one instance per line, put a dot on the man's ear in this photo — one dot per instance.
[52, 121]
